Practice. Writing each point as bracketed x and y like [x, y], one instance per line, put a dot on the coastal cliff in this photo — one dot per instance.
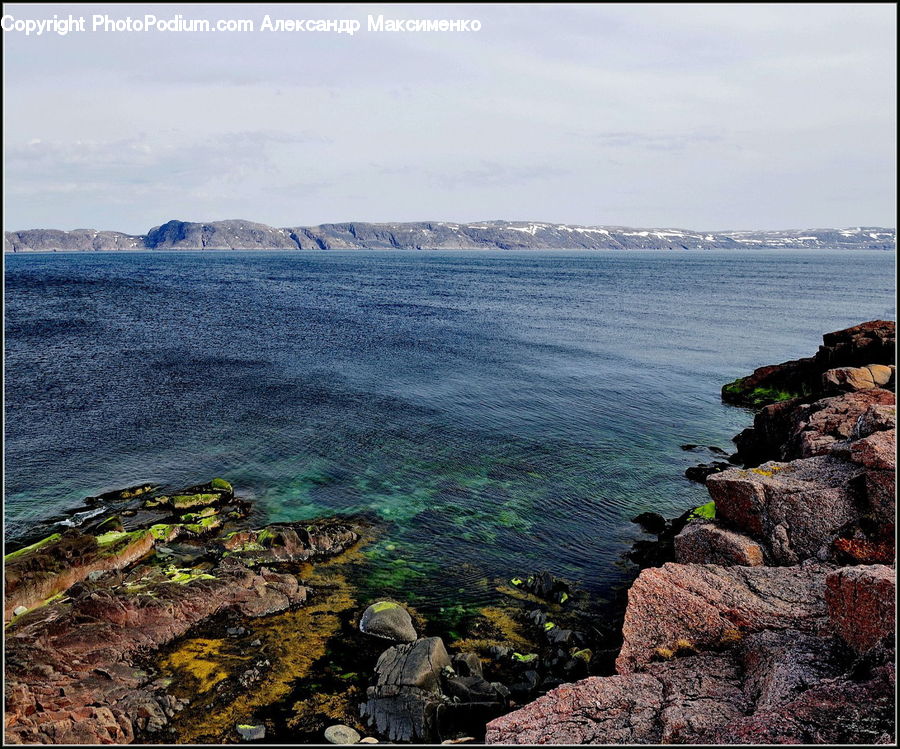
[437, 235]
[775, 621]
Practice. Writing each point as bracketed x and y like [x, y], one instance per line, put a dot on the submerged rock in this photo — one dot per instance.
[388, 620]
[545, 586]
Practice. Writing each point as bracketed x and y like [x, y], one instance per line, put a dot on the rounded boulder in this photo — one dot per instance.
[389, 621]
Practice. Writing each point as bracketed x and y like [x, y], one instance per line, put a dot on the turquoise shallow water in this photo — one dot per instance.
[500, 412]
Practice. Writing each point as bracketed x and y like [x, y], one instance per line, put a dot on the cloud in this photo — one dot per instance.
[708, 116]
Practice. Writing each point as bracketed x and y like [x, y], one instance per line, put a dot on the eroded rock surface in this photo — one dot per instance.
[862, 603]
[73, 672]
[704, 605]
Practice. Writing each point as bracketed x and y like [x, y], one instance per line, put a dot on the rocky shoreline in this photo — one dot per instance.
[765, 616]
[774, 623]
[166, 617]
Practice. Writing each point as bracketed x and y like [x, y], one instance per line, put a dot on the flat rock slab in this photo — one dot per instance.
[704, 604]
[659, 706]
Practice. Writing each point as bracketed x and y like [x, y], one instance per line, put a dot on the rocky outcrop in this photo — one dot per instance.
[404, 702]
[421, 694]
[785, 431]
[73, 662]
[247, 235]
[869, 343]
[756, 692]
[700, 606]
[720, 647]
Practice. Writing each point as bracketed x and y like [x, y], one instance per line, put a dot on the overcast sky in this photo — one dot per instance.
[705, 117]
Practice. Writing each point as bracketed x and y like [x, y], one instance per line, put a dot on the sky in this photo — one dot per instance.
[705, 117]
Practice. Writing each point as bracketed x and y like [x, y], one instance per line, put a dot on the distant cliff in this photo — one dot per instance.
[438, 235]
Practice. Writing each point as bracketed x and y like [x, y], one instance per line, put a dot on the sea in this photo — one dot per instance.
[492, 413]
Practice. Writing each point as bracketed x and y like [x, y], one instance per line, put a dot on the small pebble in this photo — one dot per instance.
[368, 740]
[19, 610]
[341, 734]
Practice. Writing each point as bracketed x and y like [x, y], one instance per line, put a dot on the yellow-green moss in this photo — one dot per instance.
[33, 547]
[707, 511]
[185, 501]
[222, 484]
[768, 472]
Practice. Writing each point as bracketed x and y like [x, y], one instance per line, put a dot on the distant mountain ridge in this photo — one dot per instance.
[437, 235]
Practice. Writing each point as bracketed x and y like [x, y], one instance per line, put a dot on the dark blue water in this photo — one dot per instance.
[501, 411]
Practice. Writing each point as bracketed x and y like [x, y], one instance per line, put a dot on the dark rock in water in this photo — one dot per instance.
[499, 652]
[689, 447]
[404, 702]
[471, 689]
[389, 621]
[716, 450]
[288, 542]
[700, 473]
[527, 685]
[651, 522]
[467, 664]
[544, 585]
[560, 636]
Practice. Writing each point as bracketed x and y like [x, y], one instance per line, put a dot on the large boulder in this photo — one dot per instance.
[708, 543]
[703, 605]
[389, 621]
[404, 702]
[797, 509]
[862, 604]
[848, 380]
